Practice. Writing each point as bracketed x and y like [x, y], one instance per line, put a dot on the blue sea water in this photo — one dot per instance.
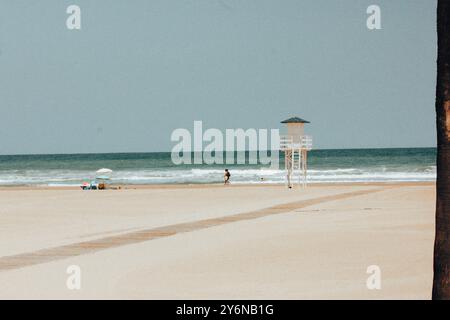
[325, 166]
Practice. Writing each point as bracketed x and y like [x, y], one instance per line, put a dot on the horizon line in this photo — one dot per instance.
[137, 152]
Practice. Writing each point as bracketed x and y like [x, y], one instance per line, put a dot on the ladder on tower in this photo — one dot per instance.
[299, 165]
[296, 157]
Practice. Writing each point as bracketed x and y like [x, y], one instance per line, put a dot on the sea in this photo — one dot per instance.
[324, 166]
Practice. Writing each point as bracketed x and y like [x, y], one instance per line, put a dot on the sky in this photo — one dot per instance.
[137, 70]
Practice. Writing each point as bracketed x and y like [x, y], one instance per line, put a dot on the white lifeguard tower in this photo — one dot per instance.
[295, 146]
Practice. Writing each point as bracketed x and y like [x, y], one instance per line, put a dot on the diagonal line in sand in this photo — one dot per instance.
[91, 246]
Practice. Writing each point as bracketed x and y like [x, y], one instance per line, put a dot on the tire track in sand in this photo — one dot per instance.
[91, 246]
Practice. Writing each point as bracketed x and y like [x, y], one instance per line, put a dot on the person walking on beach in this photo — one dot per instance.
[226, 177]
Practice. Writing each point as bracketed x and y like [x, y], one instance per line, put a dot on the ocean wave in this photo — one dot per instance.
[213, 175]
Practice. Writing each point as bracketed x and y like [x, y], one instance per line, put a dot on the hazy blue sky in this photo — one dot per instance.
[139, 69]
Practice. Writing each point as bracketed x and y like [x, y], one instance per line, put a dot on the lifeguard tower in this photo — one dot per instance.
[295, 146]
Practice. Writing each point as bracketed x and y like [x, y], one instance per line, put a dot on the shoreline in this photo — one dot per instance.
[217, 185]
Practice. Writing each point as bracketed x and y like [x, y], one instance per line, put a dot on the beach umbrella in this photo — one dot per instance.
[104, 171]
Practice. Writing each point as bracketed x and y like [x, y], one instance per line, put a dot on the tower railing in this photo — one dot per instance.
[287, 143]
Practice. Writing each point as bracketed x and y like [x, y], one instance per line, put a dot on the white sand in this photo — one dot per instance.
[318, 251]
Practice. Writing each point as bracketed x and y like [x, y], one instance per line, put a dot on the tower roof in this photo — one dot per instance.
[295, 120]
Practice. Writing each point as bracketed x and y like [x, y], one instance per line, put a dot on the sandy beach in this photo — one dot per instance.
[214, 242]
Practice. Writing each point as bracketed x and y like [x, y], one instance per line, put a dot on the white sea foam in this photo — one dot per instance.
[214, 175]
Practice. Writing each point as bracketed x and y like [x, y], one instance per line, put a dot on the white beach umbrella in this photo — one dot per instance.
[103, 174]
[104, 171]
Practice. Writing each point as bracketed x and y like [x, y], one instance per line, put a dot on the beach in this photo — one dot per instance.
[211, 241]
